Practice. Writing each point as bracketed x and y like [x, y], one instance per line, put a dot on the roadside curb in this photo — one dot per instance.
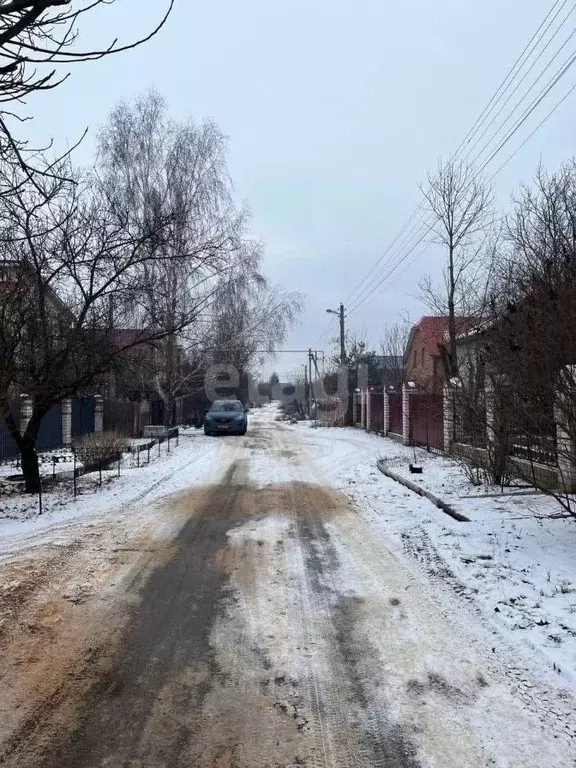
[422, 492]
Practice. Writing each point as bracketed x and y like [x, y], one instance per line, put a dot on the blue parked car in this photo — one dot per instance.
[226, 417]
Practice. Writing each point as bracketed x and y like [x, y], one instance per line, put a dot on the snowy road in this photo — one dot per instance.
[279, 630]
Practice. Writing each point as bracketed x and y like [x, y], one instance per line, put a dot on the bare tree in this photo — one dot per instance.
[251, 318]
[37, 39]
[151, 167]
[460, 203]
[530, 344]
[393, 347]
[66, 257]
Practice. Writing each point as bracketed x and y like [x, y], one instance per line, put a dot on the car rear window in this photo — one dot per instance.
[226, 405]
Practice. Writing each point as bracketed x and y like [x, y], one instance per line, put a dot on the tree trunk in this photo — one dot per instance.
[28, 455]
[30, 467]
[453, 353]
[169, 408]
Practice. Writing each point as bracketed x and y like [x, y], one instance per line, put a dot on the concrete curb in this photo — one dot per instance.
[422, 492]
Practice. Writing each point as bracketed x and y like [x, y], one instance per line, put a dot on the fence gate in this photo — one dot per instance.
[427, 421]
[396, 413]
[377, 412]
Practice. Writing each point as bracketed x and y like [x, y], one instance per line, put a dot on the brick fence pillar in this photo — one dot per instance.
[363, 408]
[386, 413]
[99, 414]
[67, 422]
[405, 415]
[448, 410]
[368, 410]
[25, 413]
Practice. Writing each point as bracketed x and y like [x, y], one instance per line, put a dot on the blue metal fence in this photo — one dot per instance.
[83, 409]
[50, 435]
[8, 448]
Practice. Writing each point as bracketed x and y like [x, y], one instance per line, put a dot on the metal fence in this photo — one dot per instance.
[396, 413]
[377, 412]
[50, 434]
[357, 406]
[83, 410]
[191, 409]
[119, 416]
[8, 448]
[427, 421]
[470, 419]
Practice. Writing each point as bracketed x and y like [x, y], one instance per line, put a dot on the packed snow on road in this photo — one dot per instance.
[275, 600]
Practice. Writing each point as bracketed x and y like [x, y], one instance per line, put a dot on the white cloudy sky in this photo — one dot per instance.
[334, 110]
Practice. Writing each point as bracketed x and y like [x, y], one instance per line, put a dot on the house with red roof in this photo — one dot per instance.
[424, 357]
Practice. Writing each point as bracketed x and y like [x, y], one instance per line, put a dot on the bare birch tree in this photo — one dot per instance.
[251, 319]
[151, 167]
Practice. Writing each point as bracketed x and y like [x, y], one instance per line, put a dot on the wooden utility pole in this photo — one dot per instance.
[342, 315]
[342, 336]
[311, 384]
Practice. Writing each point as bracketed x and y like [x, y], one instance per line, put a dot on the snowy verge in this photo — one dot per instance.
[193, 461]
[517, 568]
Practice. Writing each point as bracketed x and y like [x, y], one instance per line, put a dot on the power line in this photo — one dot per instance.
[540, 124]
[518, 104]
[393, 268]
[525, 75]
[377, 263]
[512, 74]
[326, 330]
[535, 104]
[365, 296]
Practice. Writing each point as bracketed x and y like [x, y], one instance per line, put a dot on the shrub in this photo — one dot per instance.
[101, 447]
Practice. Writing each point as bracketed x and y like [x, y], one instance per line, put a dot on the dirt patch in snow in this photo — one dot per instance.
[63, 612]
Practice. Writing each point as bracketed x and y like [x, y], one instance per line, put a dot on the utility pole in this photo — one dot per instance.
[340, 312]
[310, 356]
[306, 395]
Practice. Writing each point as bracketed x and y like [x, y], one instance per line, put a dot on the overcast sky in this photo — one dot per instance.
[334, 110]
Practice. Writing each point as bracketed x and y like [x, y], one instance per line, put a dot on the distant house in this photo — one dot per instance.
[424, 356]
[20, 278]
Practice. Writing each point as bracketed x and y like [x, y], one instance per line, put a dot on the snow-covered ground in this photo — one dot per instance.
[310, 630]
[192, 461]
[518, 569]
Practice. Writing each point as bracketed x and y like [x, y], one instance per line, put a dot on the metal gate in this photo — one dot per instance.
[427, 421]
